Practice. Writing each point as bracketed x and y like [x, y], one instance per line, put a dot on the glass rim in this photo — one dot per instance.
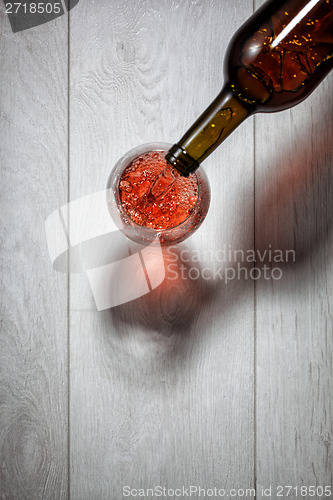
[123, 219]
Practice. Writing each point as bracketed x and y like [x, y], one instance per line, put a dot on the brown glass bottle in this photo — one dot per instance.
[273, 62]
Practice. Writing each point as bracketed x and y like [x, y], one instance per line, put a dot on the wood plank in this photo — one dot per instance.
[161, 388]
[294, 203]
[33, 342]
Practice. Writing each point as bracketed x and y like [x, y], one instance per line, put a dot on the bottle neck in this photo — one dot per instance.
[221, 118]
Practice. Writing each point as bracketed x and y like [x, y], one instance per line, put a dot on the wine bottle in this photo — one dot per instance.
[273, 62]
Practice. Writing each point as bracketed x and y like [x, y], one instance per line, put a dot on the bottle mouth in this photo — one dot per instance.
[179, 159]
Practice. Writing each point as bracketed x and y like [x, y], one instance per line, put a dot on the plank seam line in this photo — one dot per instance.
[68, 277]
[255, 427]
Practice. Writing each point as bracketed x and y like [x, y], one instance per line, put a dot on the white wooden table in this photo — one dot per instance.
[199, 383]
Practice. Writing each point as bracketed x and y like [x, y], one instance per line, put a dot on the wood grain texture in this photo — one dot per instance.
[199, 382]
[294, 207]
[33, 342]
[161, 388]
[294, 314]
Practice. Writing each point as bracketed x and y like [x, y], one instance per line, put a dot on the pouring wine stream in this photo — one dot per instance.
[162, 184]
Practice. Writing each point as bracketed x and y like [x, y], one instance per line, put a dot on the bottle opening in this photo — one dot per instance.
[181, 160]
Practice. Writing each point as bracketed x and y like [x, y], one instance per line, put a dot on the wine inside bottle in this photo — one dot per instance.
[273, 62]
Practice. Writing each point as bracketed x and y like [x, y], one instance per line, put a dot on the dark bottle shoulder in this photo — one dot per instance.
[273, 62]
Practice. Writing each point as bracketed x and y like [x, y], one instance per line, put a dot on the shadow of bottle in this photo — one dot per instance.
[294, 210]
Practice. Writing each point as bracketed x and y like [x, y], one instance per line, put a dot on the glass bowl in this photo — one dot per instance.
[147, 235]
